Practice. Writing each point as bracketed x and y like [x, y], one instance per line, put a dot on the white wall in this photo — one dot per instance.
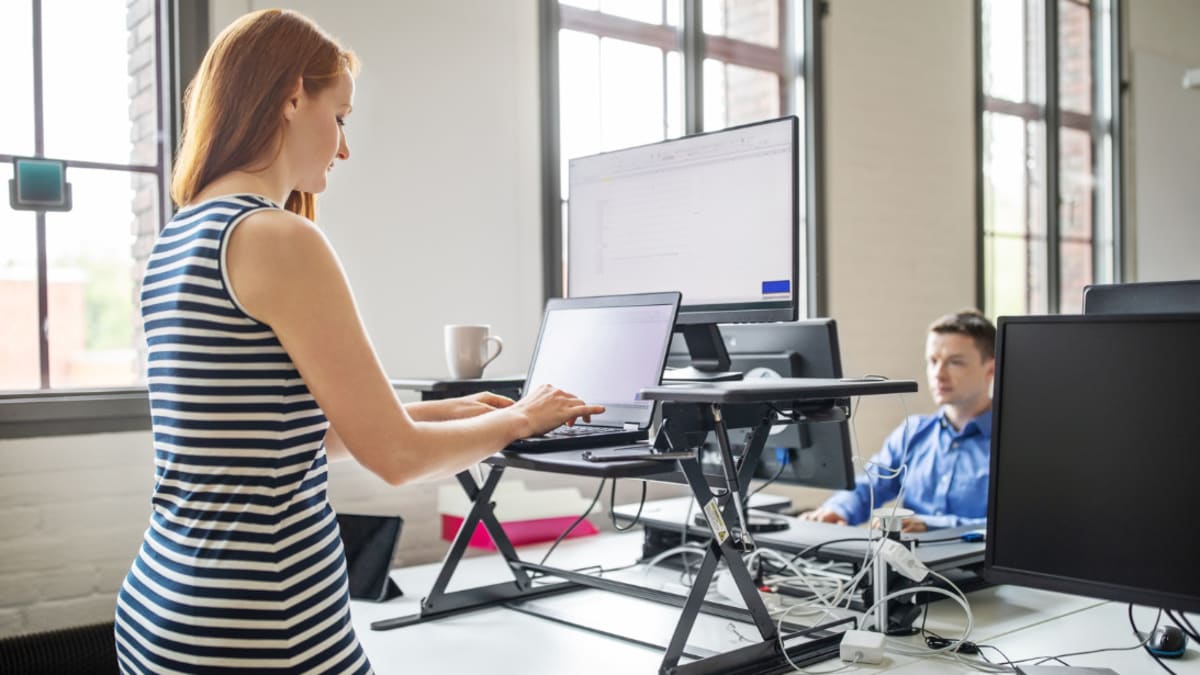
[1164, 140]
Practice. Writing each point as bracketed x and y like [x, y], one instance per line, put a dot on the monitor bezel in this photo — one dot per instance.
[743, 312]
[1155, 297]
[1051, 582]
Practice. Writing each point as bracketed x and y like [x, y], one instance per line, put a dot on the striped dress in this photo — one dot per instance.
[242, 566]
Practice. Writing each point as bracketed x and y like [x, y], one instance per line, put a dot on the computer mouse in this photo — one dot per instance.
[1167, 641]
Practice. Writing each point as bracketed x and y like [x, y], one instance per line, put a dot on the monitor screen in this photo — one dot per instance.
[1156, 297]
[605, 351]
[714, 216]
[1094, 460]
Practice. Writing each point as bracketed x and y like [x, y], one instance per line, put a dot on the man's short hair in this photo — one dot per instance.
[973, 324]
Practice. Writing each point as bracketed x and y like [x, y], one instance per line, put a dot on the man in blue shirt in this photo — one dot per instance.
[946, 455]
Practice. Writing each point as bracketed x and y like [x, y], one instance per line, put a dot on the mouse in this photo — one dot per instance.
[1167, 641]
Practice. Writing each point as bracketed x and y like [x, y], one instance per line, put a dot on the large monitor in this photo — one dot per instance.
[1151, 297]
[1094, 459]
[817, 454]
[714, 215]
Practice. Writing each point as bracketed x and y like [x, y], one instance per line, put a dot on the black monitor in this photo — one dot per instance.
[817, 454]
[1094, 461]
[1151, 297]
[713, 215]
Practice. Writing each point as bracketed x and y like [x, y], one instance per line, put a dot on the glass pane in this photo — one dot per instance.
[1075, 260]
[638, 10]
[736, 95]
[1075, 57]
[114, 87]
[16, 79]
[755, 21]
[1005, 182]
[1004, 61]
[1075, 217]
[93, 280]
[1006, 260]
[632, 94]
[1035, 153]
[578, 98]
[1075, 184]
[676, 126]
[19, 357]
[582, 4]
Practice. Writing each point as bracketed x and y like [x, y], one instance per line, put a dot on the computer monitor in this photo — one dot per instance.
[1094, 459]
[712, 215]
[1151, 297]
[818, 454]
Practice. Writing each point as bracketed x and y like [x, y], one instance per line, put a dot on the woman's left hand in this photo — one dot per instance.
[476, 404]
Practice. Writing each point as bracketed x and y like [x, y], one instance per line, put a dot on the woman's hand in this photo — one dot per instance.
[548, 407]
[459, 408]
[476, 404]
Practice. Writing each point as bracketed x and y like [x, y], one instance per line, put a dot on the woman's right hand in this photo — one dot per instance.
[549, 407]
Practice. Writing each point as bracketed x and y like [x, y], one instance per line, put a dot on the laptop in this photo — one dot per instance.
[603, 349]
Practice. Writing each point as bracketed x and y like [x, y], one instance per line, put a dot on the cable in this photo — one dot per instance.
[1186, 626]
[770, 480]
[612, 499]
[816, 547]
[575, 524]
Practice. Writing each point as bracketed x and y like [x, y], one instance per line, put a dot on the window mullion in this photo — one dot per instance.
[1053, 281]
[39, 150]
[693, 67]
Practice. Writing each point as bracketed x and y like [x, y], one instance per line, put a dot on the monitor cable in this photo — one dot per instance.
[595, 499]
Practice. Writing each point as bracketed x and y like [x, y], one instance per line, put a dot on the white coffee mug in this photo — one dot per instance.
[467, 351]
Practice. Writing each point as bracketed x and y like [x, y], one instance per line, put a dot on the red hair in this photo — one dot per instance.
[234, 106]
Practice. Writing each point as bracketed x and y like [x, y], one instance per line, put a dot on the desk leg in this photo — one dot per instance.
[439, 603]
[717, 550]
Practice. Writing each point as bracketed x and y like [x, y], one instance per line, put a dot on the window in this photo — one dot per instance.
[619, 73]
[1049, 220]
[69, 281]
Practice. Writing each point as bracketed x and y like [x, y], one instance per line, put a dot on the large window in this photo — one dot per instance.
[82, 83]
[1049, 220]
[628, 72]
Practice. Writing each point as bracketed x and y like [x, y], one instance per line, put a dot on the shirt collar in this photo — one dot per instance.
[982, 424]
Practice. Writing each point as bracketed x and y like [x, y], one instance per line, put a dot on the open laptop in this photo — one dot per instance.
[603, 349]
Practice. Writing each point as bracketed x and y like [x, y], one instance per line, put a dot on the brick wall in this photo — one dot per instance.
[144, 133]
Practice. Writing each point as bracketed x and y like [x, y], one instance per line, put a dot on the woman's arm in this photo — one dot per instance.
[284, 273]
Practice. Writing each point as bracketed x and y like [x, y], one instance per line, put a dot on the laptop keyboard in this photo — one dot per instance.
[575, 432]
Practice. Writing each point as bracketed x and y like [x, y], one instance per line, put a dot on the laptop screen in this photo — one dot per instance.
[604, 354]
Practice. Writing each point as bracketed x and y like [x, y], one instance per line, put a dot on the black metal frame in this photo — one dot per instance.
[763, 656]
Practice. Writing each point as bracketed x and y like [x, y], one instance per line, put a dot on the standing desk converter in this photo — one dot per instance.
[690, 411]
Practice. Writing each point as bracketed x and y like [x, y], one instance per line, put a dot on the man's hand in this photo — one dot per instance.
[824, 516]
[907, 525]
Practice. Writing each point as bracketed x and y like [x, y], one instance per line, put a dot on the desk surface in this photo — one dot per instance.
[775, 390]
[1023, 622]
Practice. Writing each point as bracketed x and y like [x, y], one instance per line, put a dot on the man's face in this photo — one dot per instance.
[957, 372]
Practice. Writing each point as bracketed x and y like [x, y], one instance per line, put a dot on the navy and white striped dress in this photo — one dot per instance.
[242, 567]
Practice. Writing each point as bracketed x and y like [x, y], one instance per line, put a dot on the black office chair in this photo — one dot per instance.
[82, 650]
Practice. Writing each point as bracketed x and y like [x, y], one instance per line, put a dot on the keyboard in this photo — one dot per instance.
[577, 431]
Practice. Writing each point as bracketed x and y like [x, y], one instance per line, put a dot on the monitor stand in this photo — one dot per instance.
[710, 358]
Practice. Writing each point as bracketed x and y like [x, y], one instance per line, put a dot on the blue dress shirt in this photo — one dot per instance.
[947, 481]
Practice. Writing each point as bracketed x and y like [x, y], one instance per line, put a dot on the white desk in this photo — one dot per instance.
[1022, 622]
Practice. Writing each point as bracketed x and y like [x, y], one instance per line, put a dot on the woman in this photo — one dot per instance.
[260, 372]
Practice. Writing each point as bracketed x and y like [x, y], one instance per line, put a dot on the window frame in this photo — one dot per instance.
[695, 46]
[1055, 118]
[181, 39]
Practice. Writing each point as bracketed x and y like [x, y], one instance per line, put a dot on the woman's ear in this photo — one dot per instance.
[293, 100]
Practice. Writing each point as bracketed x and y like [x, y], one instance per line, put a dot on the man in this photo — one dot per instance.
[946, 454]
